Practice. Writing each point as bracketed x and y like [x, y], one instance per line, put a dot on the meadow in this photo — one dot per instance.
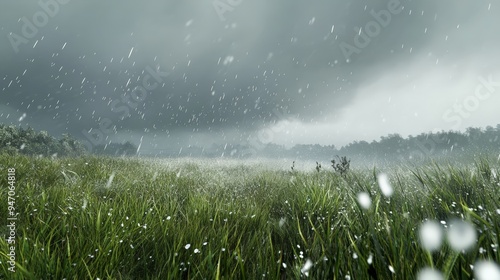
[131, 218]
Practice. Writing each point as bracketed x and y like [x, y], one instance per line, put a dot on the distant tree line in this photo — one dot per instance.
[17, 140]
[425, 145]
[26, 141]
[390, 147]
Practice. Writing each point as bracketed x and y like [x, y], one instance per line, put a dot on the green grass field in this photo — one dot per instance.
[104, 218]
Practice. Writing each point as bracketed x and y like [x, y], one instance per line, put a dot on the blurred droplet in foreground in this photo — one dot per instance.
[385, 186]
[461, 235]
[431, 235]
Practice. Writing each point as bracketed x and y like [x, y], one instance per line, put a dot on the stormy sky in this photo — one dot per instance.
[178, 73]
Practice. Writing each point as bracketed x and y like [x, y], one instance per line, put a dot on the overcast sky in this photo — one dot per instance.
[176, 73]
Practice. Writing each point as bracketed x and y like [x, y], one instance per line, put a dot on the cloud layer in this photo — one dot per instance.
[224, 78]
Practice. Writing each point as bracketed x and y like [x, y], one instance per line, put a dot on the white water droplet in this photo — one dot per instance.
[370, 259]
[487, 270]
[429, 274]
[307, 266]
[364, 200]
[391, 269]
[461, 235]
[431, 235]
[385, 186]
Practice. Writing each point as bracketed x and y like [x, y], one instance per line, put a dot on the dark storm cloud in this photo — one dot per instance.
[222, 75]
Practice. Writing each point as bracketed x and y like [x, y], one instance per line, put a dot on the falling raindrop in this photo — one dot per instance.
[22, 117]
[228, 60]
[110, 180]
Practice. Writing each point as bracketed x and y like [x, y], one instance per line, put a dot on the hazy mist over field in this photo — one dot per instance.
[167, 75]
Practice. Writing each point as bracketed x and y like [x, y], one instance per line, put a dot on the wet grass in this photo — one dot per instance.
[194, 221]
